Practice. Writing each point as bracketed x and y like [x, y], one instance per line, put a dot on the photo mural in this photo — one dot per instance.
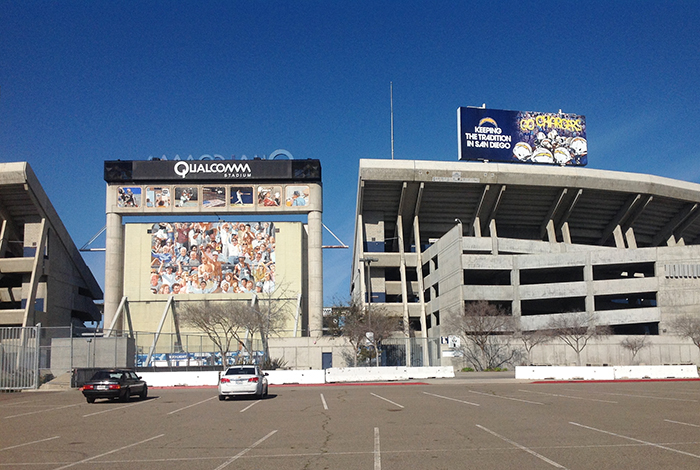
[221, 257]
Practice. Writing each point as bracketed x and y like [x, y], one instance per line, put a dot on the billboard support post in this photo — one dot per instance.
[114, 267]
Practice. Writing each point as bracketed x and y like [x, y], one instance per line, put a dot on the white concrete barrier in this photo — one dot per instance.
[181, 379]
[378, 374]
[211, 378]
[311, 376]
[656, 372]
[605, 373]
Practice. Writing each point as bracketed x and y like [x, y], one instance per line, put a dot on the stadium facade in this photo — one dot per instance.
[541, 241]
[43, 278]
[210, 238]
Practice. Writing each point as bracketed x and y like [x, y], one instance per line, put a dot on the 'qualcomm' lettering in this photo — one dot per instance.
[183, 168]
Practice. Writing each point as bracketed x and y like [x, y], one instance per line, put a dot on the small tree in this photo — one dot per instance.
[222, 322]
[531, 339]
[634, 344]
[269, 310]
[380, 326]
[575, 330]
[484, 329]
[364, 325]
[688, 326]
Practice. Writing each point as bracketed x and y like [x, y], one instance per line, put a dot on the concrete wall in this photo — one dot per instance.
[95, 352]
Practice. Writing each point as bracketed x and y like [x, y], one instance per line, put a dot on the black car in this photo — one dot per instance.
[118, 384]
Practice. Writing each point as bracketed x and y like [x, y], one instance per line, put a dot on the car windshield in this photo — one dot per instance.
[241, 371]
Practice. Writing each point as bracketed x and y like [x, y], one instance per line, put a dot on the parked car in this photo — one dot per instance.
[118, 384]
[243, 380]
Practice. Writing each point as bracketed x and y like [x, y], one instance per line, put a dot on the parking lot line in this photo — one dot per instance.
[246, 450]
[323, 400]
[567, 396]
[636, 440]
[42, 411]
[680, 422]
[507, 398]
[29, 443]
[453, 399]
[250, 406]
[114, 408]
[377, 451]
[193, 404]
[386, 399]
[644, 396]
[108, 453]
[521, 447]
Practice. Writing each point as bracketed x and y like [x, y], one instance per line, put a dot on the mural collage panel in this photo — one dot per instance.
[221, 257]
[266, 196]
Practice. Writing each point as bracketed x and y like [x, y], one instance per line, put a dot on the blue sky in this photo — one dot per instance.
[82, 82]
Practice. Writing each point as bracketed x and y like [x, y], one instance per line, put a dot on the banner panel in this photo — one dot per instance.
[522, 136]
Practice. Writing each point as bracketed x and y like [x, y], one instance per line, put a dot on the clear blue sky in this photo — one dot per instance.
[86, 81]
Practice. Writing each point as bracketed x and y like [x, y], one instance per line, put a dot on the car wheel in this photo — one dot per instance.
[265, 392]
[127, 395]
[90, 400]
[144, 393]
[222, 397]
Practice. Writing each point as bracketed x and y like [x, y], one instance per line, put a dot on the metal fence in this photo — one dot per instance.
[19, 358]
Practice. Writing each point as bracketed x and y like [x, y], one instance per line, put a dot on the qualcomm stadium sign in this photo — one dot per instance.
[201, 171]
[522, 136]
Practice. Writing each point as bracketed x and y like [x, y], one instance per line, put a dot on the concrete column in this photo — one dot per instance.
[421, 288]
[114, 268]
[315, 257]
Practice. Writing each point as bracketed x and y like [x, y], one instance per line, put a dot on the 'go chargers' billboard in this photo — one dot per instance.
[522, 136]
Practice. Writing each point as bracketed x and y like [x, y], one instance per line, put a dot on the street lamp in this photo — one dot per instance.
[367, 262]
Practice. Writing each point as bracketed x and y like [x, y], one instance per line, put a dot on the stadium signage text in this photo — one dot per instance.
[226, 170]
[519, 136]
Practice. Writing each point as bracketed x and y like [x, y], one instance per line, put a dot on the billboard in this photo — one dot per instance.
[522, 136]
[224, 257]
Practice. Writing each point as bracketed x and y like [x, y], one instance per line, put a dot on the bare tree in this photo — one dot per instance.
[634, 344]
[381, 326]
[363, 325]
[531, 339]
[269, 310]
[688, 326]
[353, 326]
[575, 330]
[484, 330]
[222, 322]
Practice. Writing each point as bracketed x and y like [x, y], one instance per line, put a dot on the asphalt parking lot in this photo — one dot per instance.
[443, 424]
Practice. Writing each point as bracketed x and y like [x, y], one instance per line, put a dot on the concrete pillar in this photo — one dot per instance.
[315, 257]
[421, 288]
[114, 268]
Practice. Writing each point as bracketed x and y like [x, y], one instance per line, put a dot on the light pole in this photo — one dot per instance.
[367, 261]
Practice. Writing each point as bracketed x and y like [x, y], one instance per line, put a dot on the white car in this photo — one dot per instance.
[243, 380]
